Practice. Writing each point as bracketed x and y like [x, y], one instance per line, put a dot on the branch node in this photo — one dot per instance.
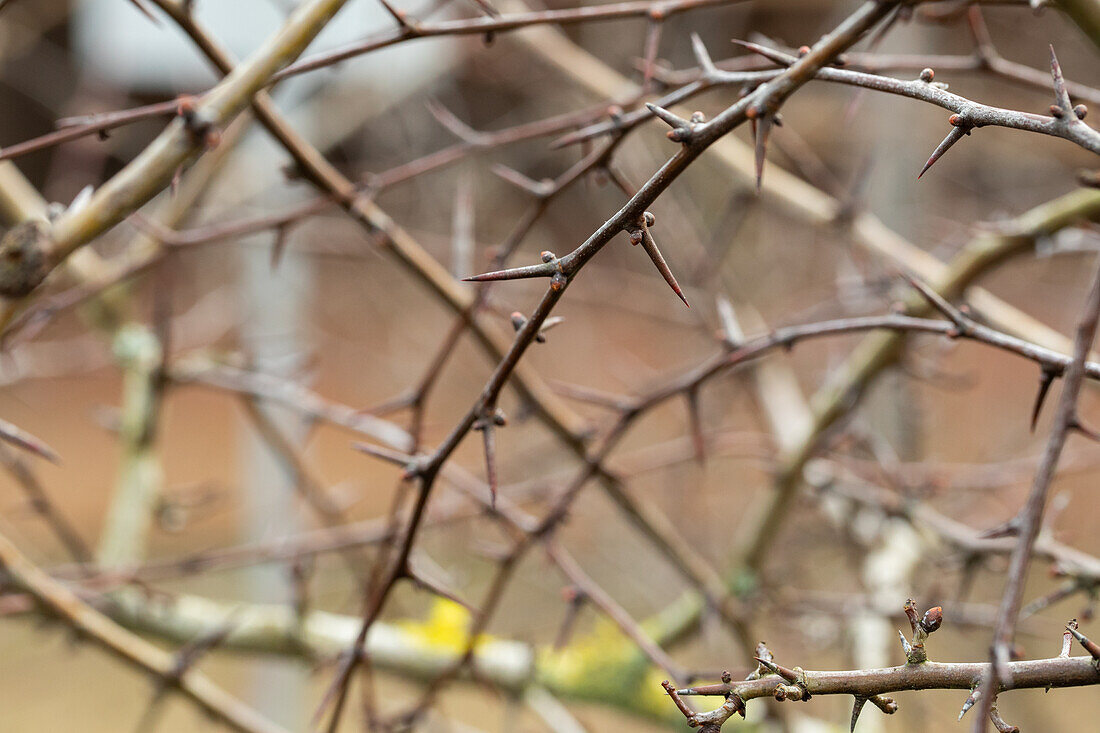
[24, 258]
[682, 130]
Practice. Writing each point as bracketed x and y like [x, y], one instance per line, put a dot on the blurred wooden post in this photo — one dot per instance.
[275, 332]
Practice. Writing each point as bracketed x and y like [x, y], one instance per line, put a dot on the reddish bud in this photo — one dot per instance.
[803, 50]
[933, 617]
[1080, 110]
[927, 75]
[185, 105]
[1056, 111]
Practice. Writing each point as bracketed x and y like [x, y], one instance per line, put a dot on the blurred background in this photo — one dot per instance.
[337, 315]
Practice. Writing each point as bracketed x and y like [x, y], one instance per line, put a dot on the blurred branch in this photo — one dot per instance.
[130, 514]
[57, 600]
[41, 248]
[1030, 517]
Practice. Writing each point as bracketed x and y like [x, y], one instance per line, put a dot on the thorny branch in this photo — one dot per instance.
[38, 247]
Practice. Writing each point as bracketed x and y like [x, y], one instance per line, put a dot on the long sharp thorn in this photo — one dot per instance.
[763, 129]
[398, 15]
[674, 121]
[490, 465]
[787, 674]
[515, 273]
[278, 246]
[1085, 430]
[969, 703]
[1090, 646]
[144, 9]
[698, 439]
[19, 437]
[1046, 378]
[450, 120]
[769, 53]
[702, 56]
[518, 180]
[953, 137]
[650, 247]
[1061, 96]
[652, 45]
[391, 456]
[487, 8]
[857, 708]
